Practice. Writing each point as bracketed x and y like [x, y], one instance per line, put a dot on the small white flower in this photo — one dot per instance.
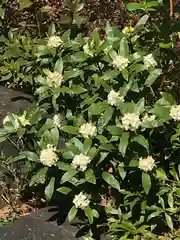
[175, 112]
[57, 120]
[54, 79]
[114, 98]
[128, 30]
[88, 130]
[23, 121]
[48, 156]
[80, 162]
[146, 164]
[131, 121]
[54, 42]
[149, 61]
[120, 62]
[81, 200]
[147, 118]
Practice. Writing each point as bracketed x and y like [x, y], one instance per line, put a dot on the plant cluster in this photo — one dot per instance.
[102, 133]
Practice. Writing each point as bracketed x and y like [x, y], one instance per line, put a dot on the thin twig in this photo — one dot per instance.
[171, 8]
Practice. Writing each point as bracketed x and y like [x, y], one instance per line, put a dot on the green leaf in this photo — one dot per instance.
[97, 108]
[142, 141]
[111, 180]
[72, 73]
[169, 221]
[154, 214]
[31, 156]
[59, 65]
[152, 77]
[134, 6]
[142, 21]
[87, 145]
[114, 130]
[39, 177]
[63, 166]
[25, 4]
[106, 117]
[89, 214]
[122, 172]
[171, 200]
[55, 136]
[90, 177]
[78, 144]
[49, 190]
[124, 48]
[72, 213]
[69, 129]
[124, 140]
[77, 89]
[68, 175]
[140, 106]
[146, 182]
[64, 190]
[160, 174]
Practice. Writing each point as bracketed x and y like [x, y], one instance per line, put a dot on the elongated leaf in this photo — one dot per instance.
[97, 108]
[160, 174]
[87, 145]
[107, 116]
[49, 190]
[142, 21]
[78, 89]
[64, 190]
[90, 177]
[69, 129]
[169, 221]
[31, 156]
[142, 141]
[59, 65]
[152, 77]
[72, 213]
[134, 6]
[78, 144]
[111, 180]
[89, 214]
[146, 182]
[68, 175]
[123, 143]
[39, 177]
[114, 130]
[122, 172]
[124, 48]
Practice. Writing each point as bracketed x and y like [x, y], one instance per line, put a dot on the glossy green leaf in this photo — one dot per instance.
[146, 182]
[123, 144]
[39, 177]
[49, 190]
[69, 129]
[64, 190]
[68, 175]
[89, 214]
[169, 221]
[90, 177]
[72, 213]
[152, 77]
[111, 180]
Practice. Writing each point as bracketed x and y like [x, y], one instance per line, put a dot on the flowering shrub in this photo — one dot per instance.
[112, 137]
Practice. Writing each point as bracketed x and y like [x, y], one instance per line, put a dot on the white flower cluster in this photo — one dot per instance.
[114, 98]
[128, 30]
[80, 162]
[146, 164]
[149, 61]
[54, 42]
[54, 79]
[147, 118]
[120, 62]
[88, 130]
[175, 112]
[57, 120]
[131, 121]
[48, 156]
[17, 120]
[81, 200]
